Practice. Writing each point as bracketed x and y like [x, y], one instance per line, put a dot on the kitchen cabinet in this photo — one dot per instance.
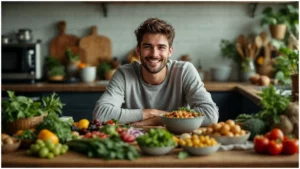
[80, 105]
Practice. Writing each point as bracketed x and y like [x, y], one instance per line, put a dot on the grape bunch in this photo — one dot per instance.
[47, 149]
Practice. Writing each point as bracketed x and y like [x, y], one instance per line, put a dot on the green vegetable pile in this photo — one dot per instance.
[110, 148]
[27, 135]
[156, 138]
[273, 104]
[60, 128]
[19, 107]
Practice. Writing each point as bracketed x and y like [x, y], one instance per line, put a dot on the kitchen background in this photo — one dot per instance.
[199, 26]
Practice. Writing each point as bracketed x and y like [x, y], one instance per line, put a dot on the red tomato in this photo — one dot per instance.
[111, 122]
[127, 137]
[261, 144]
[290, 146]
[276, 134]
[88, 135]
[274, 147]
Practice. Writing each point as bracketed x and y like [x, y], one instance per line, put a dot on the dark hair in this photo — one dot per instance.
[155, 25]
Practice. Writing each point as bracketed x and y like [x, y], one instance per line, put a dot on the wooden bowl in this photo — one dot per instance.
[9, 148]
[23, 124]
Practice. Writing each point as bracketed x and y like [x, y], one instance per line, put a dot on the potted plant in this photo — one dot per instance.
[55, 70]
[230, 51]
[279, 22]
[20, 112]
[73, 63]
[287, 65]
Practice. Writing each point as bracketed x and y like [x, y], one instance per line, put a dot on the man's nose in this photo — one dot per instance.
[155, 52]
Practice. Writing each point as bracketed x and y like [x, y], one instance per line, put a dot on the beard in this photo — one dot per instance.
[151, 69]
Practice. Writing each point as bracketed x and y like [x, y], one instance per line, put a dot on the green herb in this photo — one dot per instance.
[229, 51]
[52, 104]
[56, 71]
[102, 68]
[110, 148]
[27, 135]
[60, 128]
[182, 155]
[18, 107]
[287, 64]
[71, 56]
[156, 138]
[273, 104]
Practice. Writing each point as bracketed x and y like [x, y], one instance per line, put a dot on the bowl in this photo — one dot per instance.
[182, 125]
[197, 151]
[226, 140]
[9, 148]
[156, 151]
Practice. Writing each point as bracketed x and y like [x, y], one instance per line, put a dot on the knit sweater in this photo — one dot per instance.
[127, 94]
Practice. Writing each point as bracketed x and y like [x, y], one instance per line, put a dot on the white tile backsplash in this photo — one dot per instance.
[199, 26]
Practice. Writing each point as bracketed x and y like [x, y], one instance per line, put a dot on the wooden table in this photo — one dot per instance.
[233, 158]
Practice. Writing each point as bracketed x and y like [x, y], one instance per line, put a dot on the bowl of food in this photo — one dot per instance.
[182, 121]
[227, 132]
[198, 145]
[201, 151]
[9, 144]
[156, 142]
[157, 151]
[226, 140]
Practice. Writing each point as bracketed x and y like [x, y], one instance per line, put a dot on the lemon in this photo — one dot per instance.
[83, 123]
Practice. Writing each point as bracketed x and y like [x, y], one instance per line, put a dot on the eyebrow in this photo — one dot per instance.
[160, 45]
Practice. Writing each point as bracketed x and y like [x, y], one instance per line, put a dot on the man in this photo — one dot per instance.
[140, 93]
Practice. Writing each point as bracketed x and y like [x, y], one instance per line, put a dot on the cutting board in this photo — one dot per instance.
[96, 47]
[59, 44]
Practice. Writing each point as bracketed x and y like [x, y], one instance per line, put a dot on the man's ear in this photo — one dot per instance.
[170, 51]
[137, 50]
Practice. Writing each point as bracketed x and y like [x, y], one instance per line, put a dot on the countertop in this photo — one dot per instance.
[233, 158]
[246, 89]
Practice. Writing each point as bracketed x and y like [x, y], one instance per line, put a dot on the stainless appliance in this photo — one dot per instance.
[21, 62]
[24, 35]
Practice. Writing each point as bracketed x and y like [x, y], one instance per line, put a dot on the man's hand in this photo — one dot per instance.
[153, 121]
[149, 113]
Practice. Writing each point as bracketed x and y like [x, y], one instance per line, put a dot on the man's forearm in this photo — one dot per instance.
[149, 113]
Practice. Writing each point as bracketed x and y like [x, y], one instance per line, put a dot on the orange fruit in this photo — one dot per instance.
[19, 132]
[83, 123]
[81, 65]
[46, 134]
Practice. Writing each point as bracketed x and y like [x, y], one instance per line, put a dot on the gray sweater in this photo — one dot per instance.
[127, 94]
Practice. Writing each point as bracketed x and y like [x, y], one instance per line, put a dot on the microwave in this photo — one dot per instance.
[21, 62]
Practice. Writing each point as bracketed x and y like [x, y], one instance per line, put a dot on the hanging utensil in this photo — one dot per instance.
[258, 44]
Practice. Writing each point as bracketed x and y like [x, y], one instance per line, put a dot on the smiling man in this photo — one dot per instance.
[140, 93]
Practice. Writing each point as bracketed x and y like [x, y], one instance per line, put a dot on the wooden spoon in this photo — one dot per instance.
[258, 44]
[239, 49]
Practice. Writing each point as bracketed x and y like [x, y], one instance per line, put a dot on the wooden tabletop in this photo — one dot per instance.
[233, 158]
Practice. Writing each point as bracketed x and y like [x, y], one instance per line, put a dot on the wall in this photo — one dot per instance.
[199, 26]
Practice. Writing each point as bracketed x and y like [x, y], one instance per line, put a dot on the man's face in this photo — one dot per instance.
[154, 52]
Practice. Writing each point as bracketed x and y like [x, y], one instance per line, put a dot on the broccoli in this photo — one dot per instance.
[255, 126]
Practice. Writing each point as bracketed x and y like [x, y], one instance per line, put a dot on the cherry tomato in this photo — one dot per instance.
[111, 122]
[276, 134]
[261, 144]
[127, 137]
[290, 146]
[274, 147]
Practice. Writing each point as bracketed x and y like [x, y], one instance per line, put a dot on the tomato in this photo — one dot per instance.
[261, 144]
[274, 147]
[127, 137]
[111, 122]
[290, 146]
[275, 134]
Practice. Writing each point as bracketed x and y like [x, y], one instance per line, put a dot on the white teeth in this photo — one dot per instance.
[153, 60]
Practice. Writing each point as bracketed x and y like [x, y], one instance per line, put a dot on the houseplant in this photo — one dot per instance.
[55, 70]
[229, 50]
[284, 19]
[287, 65]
